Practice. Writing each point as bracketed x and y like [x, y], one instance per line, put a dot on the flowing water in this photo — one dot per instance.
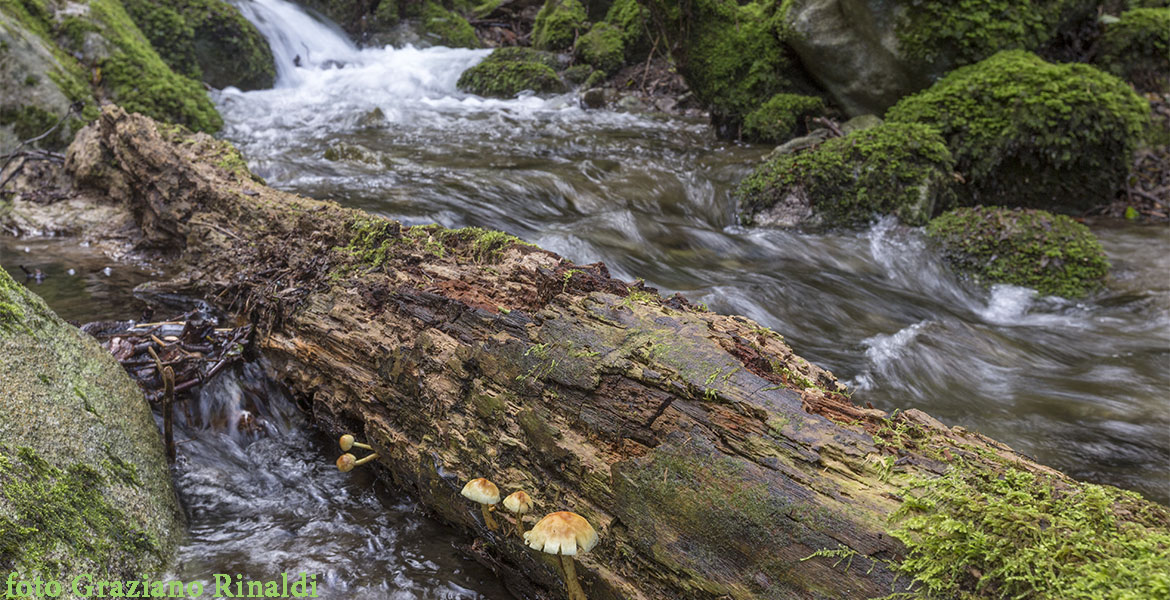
[1082, 386]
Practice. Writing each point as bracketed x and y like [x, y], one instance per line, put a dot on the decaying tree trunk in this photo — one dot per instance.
[710, 458]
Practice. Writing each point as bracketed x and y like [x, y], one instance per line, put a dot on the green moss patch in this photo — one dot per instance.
[1019, 535]
[1025, 132]
[1051, 253]
[1137, 48]
[602, 47]
[899, 169]
[558, 24]
[509, 71]
[50, 515]
[781, 118]
[448, 28]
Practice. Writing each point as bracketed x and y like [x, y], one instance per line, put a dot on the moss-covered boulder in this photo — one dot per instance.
[206, 40]
[1050, 253]
[443, 27]
[1137, 48]
[100, 48]
[890, 169]
[733, 56]
[612, 43]
[558, 24]
[781, 118]
[1029, 133]
[509, 71]
[84, 484]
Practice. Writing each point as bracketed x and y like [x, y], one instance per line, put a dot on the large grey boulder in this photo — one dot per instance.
[84, 485]
[31, 97]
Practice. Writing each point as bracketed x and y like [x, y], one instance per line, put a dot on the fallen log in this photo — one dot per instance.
[712, 460]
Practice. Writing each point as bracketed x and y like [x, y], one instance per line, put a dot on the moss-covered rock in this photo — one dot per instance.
[732, 56]
[602, 47]
[1050, 253]
[898, 169]
[945, 35]
[781, 118]
[509, 71]
[1137, 48]
[84, 485]
[558, 24]
[206, 40]
[1025, 132]
[447, 28]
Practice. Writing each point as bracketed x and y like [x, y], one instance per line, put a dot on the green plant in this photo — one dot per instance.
[1137, 48]
[558, 24]
[781, 117]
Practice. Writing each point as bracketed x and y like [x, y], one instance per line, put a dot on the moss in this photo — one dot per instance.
[602, 47]
[509, 71]
[629, 17]
[139, 81]
[577, 74]
[51, 513]
[30, 121]
[1137, 48]
[208, 40]
[900, 169]
[781, 118]
[448, 28]
[1019, 535]
[966, 31]
[1031, 133]
[558, 24]
[1051, 253]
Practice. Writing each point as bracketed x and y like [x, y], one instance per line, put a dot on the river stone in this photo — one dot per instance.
[84, 484]
[850, 47]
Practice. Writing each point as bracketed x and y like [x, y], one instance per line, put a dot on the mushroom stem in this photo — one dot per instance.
[520, 525]
[571, 584]
[365, 459]
[488, 519]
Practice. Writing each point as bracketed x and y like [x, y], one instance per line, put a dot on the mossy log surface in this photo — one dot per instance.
[711, 459]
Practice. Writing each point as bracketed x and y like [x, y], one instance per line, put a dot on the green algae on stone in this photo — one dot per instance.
[1051, 253]
[1025, 132]
[79, 492]
[558, 24]
[509, 71]
[899, 169]
[781, 118]
[1014, 534]
[1137, 48]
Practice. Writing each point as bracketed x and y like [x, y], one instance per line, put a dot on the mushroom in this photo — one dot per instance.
[346, 462]
[564, 534]
[347, 441]
[487, 495]
[518, 503]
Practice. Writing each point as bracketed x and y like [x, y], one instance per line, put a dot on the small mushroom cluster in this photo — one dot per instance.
[346, 462]
[562, 534]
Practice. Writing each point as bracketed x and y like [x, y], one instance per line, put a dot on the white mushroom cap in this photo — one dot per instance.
[481, 491]
[518, 502]
[562, 533]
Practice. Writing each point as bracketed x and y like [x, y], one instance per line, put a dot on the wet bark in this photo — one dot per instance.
[710, 458]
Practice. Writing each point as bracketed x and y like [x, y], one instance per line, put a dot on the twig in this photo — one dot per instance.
[75, 107]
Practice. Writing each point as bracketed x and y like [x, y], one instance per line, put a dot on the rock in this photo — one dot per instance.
[207, 40]
[558, 24]
[85, 485]
[631, 103]
[1051, 253]
[1137, 48]
[509, 71]
[893, 169]
[593, 98]
[1029, 133]
[851, 50]
[782, 117]
[442, 27]
[859, 123]
[31, 99]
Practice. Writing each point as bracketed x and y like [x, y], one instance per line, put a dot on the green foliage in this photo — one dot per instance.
[1051, 253]
[206, 39]
[46, 509]
[962, 32]
[1020, 535]
[1137, 48]
[893, 168]
[1029, 133]
[509, 71]
[602, 47]
[448, 28]
[558, 23]
[781, 118]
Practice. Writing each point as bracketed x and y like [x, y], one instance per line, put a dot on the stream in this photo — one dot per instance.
[1079, 385]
